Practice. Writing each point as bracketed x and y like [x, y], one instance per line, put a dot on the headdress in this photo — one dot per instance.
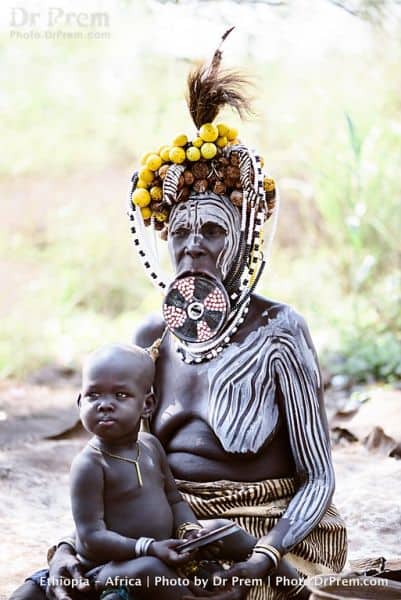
[216, 166]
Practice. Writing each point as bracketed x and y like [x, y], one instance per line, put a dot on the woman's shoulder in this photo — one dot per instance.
[274, 313]
[149, 330]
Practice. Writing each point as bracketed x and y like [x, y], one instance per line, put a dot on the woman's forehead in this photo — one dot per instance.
[200, 211]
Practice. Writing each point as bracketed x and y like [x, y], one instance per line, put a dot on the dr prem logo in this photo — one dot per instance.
[57, 17]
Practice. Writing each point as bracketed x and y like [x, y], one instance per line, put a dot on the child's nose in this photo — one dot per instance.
[105, 403]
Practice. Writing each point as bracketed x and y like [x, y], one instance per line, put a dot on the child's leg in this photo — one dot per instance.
[145, 577]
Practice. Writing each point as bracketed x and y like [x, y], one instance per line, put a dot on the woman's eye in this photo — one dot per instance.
[181, 232]
[211, 229]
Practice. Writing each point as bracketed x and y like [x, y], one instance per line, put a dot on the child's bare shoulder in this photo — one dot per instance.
[152, 443]
[85, 460]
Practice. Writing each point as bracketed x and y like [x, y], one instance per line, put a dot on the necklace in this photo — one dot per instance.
[133, 461]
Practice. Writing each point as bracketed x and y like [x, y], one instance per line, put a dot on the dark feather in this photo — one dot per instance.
[210, 89]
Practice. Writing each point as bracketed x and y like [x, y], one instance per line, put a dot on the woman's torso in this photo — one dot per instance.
[182, 417]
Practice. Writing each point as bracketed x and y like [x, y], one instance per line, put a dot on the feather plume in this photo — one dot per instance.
[210, 88]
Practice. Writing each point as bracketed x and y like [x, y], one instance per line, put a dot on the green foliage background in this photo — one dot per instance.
[79, 113]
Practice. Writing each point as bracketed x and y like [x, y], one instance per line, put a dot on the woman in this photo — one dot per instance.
[238, 393]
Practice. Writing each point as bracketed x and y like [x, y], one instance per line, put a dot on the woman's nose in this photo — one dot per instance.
[194, 245]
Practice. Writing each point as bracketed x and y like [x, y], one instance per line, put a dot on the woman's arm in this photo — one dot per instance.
[298, 377]
[149, 330]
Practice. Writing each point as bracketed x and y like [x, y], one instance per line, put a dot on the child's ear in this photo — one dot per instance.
[149, 406]
[79, 398]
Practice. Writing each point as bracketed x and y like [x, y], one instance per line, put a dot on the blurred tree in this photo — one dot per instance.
[374, 11]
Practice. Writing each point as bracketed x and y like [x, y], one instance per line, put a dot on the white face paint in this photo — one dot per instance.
[204, 209]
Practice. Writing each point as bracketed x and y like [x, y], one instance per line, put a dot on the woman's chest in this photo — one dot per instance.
[182, 390]
[234, 394]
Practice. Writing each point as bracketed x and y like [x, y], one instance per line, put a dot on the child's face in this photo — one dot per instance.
[113, 396]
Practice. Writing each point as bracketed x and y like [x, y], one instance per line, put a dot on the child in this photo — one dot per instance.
[125, 502]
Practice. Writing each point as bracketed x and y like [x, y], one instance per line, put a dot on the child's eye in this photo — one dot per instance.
[121, 395]
[92, 395]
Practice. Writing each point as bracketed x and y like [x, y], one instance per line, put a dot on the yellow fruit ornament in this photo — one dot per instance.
[153, 162]
[142, 184]
[165, 153]
[141, 197]
[268, 184]
[180, 140]
[156, 193]
[223, 129]
[193, 154]
[221, 141]
[177, 155]
[161, 217]
[161, 148]
[146, 212]
[208, 150]
[209, 132]
[145, 157]
[232, 134]
[197, 142]
[146, 175]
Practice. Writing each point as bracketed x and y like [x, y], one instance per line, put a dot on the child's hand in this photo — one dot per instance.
[166, 551]
[65, 564]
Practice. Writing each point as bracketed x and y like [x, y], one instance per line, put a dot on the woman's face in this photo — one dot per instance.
[196, 240]
[198, 237]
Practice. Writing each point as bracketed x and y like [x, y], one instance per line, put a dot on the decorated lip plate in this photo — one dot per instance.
[195, 308]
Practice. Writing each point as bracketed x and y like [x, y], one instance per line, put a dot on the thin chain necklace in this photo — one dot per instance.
[133, 461]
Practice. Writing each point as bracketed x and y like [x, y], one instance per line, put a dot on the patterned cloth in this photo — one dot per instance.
[122, 592]
[257, 507]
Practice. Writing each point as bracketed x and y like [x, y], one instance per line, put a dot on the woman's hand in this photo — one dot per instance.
[235, 579]
[65, 566]
[166, 550]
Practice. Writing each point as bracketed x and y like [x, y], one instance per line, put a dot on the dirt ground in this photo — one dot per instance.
[38, 442]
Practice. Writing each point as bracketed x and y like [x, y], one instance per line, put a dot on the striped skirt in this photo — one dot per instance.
[257, 507]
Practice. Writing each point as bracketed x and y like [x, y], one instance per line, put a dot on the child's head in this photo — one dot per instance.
[116, 384]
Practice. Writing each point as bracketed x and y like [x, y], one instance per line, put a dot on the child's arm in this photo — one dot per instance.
[86, 487]
[182, 512]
